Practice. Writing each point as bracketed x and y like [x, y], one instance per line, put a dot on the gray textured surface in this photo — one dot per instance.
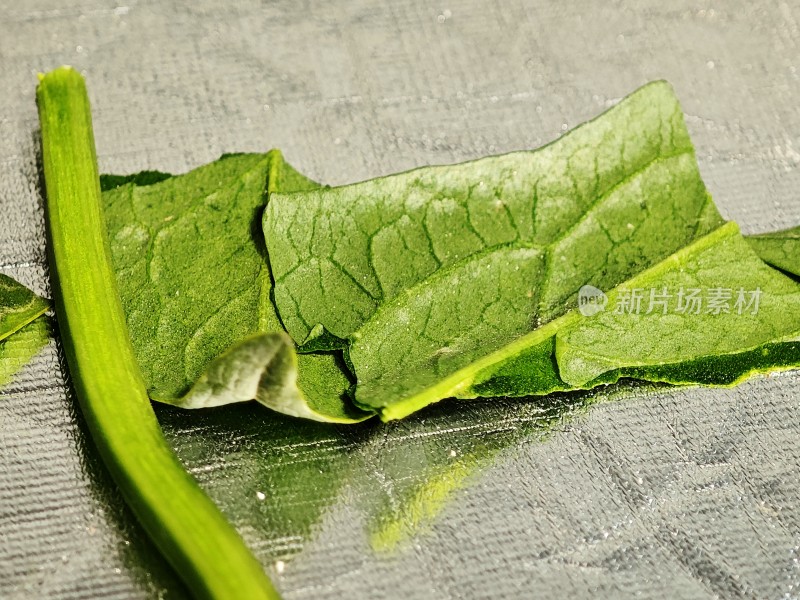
[681, 494]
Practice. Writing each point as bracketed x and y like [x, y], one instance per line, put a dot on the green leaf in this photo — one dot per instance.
[666, 344]
[759, 308]
[17, 350]
[190, 264]
[428, 272]
[620, 189]
[745, 336]
[781, 249]
[456, 280]
[18, 306]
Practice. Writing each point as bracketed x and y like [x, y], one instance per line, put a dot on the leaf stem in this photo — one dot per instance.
[185, 524]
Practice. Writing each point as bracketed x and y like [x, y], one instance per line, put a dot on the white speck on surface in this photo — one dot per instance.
[279, 566]
[261, 495]
[710, 64]
[453, 453]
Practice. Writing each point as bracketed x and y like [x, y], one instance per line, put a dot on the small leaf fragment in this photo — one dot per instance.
[18, 349]
[18, 306]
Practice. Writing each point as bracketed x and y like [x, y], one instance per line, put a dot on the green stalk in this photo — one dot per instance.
[186, 526]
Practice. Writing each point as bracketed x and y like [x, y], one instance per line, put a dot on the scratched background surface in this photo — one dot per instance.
[658, 493]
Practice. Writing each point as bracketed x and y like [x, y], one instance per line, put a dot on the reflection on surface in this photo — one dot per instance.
[273, 476]
[276, 478]
[423, 469]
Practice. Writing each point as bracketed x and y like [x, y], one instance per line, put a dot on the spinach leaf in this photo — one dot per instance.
[500, 354]
[748, 307]
[604, 201]
[428, 272]
[190, 264]
[457, 280]
[750, 323]
[781, 249]
[18, 306]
